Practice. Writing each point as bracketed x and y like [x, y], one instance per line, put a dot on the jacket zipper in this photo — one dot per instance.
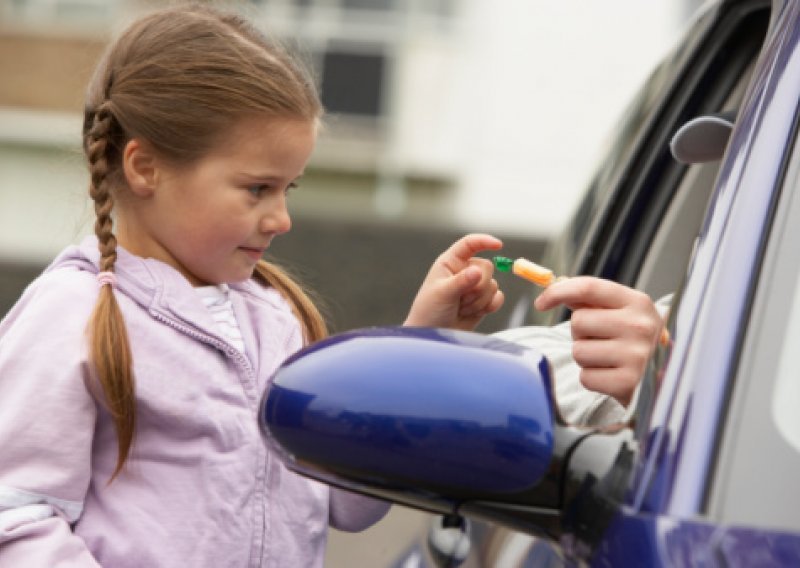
[244, 364]
[228, 350]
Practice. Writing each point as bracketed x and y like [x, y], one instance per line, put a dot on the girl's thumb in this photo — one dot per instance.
[466, 279]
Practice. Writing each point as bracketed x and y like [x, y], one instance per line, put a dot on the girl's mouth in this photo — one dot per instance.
[253, 253]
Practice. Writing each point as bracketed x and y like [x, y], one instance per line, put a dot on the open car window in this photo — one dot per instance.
[634, 226]
[664, 264]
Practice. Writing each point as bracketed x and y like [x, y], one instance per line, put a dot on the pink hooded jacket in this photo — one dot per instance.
[200, 487]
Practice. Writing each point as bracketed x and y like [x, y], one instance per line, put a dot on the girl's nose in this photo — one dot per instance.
[276, 217]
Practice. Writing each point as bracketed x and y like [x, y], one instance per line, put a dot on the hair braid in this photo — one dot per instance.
[110, 349]
[97, 146]
[311, 320]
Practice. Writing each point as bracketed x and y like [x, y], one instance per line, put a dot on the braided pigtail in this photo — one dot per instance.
[311, 320]
[109, 347]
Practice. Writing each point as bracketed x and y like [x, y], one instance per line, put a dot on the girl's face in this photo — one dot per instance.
[212, 220]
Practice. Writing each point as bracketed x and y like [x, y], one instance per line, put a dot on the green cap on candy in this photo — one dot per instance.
[502, 263]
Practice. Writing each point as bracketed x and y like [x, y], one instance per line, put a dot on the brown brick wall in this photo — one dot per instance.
[45, 72]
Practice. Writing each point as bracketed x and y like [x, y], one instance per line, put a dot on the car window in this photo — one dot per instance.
[628, 130]
[664, 265]
[755, 478]
[718, 84]
[561, 254]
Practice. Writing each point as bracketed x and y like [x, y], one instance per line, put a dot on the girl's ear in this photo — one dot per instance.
[140, 167]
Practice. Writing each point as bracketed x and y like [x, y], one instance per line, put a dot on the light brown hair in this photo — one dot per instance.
[178, 78]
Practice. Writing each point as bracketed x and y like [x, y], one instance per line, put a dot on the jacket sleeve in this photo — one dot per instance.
[351, 512]
[47, 419]
[577, 404]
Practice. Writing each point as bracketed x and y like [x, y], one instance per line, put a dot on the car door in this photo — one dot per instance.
[717, 429]
[752, 487]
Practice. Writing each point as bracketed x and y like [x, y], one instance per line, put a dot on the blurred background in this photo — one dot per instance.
[444, 117]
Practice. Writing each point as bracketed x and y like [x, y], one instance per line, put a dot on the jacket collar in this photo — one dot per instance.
[151, 283]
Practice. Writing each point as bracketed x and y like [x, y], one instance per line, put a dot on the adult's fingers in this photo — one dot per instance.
[582, 291]
[622, 323]
[609, 354]
[618, 383]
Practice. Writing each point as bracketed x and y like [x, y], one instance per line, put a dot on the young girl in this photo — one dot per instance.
[131, 369]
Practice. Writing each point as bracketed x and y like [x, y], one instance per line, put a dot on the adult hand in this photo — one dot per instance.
[614, 330]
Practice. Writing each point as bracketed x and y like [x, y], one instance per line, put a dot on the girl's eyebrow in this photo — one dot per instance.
[267, 177]
[264, 178]
[258, 175]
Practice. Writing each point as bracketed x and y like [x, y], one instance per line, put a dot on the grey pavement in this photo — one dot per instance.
[380, 545]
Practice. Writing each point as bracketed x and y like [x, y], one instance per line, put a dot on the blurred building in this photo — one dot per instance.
[366, 165]
[444, 116]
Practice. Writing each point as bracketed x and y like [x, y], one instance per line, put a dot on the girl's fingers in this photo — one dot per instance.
[468, 246]
[488, 300]
[497, 302]
[469, 299]
[483, 289]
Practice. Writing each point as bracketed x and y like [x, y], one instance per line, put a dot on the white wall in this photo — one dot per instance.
[44, 200]
[544, 82]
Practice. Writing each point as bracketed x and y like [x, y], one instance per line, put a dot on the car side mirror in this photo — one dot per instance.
[430, 418]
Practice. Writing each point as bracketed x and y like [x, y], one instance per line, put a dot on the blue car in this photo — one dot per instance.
[705, 472]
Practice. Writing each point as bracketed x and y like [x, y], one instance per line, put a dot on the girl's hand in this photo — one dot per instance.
[614, 331]
[459, 290]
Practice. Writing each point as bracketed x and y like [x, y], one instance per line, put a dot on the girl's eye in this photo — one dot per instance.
[257, 190]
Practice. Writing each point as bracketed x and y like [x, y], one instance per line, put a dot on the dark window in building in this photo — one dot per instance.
[352, 83]
[368, 4]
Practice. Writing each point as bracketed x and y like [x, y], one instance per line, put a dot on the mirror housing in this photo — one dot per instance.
[427, 417]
